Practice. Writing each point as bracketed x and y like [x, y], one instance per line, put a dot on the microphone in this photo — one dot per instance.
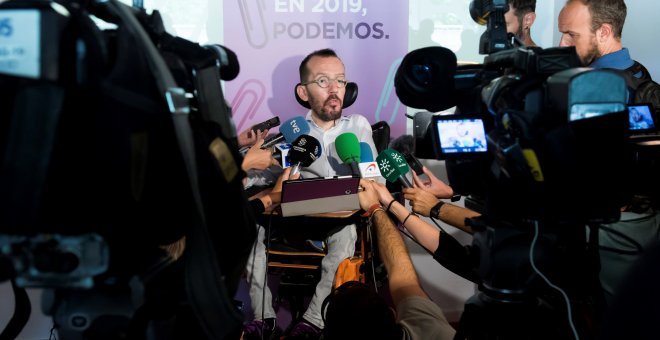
[405, 144]
[368, 167]
[304, 151]
[366, 155]
[291, 129]
[348, 150]
[393, 167]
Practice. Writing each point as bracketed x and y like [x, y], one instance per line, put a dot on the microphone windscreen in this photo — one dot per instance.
[304, 150]
[392, 165]
[404, 144]
[348, 147]
[292, 128]
[365, 153]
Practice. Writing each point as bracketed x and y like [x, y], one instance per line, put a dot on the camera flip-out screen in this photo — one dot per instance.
[456, 136]
[640, 118]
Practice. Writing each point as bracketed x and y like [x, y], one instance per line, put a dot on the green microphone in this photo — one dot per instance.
[393, 167]
[348, 150]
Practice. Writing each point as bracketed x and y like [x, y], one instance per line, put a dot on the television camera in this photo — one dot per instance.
[540, 147]
[115, 145]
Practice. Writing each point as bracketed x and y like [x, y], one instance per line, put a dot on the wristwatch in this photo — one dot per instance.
[435, 211]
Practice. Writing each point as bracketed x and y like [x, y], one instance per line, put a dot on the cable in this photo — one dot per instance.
[531, 261]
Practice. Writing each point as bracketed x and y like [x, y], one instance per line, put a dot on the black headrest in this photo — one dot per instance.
[349, 97]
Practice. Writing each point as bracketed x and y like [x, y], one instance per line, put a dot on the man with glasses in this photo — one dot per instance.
[323, 85]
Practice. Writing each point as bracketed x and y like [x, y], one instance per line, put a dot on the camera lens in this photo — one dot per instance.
[422, 74]
[425, 79]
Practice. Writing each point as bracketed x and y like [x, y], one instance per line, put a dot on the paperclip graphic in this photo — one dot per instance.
[254, 24]
[247, 102]
[386, 97]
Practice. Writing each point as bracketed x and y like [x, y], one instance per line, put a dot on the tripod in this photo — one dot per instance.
[536, 284]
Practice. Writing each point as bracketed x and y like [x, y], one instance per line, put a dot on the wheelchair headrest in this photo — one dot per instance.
[349, 97]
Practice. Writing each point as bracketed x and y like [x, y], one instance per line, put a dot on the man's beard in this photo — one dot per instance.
[327, 112]
[520, 34]
[592, 53]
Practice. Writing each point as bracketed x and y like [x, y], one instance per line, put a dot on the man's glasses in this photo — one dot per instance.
[324, 82]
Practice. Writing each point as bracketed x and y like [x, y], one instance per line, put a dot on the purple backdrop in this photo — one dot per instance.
[271, 37]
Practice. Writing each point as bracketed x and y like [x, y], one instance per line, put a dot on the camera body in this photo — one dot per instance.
[530, 125]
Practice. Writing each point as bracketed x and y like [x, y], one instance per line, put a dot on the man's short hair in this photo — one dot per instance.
[304, 71]
[611, 12]
[523, 7]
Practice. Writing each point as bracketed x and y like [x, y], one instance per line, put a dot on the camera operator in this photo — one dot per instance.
[520, 18]
[594, 27]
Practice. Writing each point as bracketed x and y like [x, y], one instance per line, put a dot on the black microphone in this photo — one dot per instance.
[304, 151]
[229, 66]
[405, 144]
[393, 167]
[291, 129]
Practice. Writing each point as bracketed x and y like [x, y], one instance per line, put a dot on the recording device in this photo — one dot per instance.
[491, 13]
[148, 112]
[289, 131]
[347, 146]
[393, 167]
[553, 158]
[304, 151]
[267, 124]
[414, 164]
[405, 144]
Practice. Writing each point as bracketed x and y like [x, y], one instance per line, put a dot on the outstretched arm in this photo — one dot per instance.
[423, 201]
[403, 280]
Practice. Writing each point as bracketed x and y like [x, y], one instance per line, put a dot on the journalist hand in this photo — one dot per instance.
[421, 200]
[368, 196]
[384, 195]
[249, 137]
[257, 158]
[433, 185]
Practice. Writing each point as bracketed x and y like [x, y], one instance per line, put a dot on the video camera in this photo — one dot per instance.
[530, 127]
[539, 145]
[115, 144]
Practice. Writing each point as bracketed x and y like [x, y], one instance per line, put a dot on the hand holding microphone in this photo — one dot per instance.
[393, 167]
[290, 129]
[304, 151]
